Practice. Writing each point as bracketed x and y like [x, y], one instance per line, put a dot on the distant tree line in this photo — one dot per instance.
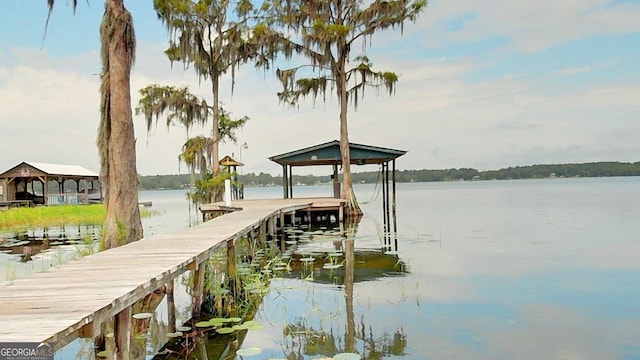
[595, 169]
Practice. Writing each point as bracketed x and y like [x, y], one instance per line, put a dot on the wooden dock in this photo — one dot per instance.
[73, 300]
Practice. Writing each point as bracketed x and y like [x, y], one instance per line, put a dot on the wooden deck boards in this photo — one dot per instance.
[55, 304]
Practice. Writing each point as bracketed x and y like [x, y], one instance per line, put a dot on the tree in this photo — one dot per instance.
[202, 36]
[188, 109]
[116, 138]
[324, 31]
[183, 107]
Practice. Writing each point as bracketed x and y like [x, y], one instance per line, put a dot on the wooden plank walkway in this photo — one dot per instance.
[60, 304]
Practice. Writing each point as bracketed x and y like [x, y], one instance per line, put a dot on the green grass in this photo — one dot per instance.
[41, 216]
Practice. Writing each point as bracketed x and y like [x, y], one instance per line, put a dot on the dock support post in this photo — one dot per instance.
[262, 233]
[272, 226]
[198, 289]
[231, 266]
[108, 335]
[123, 334]
[171, 307]
[393, 207]
[282, 221]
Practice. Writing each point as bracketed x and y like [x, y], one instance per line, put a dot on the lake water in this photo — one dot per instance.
[522, 269]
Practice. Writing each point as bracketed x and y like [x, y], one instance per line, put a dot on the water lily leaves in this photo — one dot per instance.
[249, 351]
[218, 320]
[183, 328]
[202, 324]
[175, 334]
[330, 266]
[347, 356]
[142, 316]
[255, 326]
[104, 353]
[225, 330]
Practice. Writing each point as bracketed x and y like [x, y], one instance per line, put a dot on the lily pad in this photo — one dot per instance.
[218, 320]
[347, 356]
[183, 328]
[104, 353]
[142, 316]
[204, 324]
[225, 330]
[331, 266]
[249, 351]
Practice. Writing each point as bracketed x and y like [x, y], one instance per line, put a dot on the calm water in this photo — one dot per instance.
[527, 269]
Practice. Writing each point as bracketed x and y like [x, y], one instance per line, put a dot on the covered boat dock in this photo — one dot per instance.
[32, 183]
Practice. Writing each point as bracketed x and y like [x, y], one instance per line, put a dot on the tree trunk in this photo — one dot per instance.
[117, 139]
[216, 194]
[352, 206]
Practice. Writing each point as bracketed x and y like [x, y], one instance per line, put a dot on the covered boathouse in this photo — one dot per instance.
[31, 183]
[329, 154]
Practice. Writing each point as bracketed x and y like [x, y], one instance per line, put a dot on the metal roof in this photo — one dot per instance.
[57, 169]
[229, 161]
[329, 154]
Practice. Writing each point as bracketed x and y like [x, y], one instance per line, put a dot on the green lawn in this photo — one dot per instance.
[41, 216]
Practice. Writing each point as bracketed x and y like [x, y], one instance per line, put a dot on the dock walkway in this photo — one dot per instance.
[71, 300]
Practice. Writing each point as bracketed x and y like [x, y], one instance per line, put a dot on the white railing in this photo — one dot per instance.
[67, 199]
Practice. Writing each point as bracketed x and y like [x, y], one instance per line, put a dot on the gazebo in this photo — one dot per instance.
[48, 184]
[232, 164]
[329, 154]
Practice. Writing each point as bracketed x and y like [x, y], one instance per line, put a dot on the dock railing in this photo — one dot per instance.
[67, 199]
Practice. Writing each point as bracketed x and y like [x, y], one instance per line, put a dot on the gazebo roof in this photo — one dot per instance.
[329, 154]
[229, 161]
[49, 169]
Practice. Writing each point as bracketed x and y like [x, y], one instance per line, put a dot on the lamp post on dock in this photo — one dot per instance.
[243, 146]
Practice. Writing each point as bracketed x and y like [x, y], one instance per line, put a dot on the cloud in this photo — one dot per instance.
[529, 26]
[456, 104]
[48, 113]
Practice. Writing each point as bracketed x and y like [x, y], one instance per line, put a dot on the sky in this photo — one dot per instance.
[482, 84]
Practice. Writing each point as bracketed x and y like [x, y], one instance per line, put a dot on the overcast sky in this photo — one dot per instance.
[483, 84]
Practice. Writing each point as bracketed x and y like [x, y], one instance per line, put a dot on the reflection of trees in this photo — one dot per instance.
[226, 295]
[301, 339]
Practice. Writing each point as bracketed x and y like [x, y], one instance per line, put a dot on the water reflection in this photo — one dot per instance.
[301, 338]
[34, 250]
[310, 257]
[543, 269]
